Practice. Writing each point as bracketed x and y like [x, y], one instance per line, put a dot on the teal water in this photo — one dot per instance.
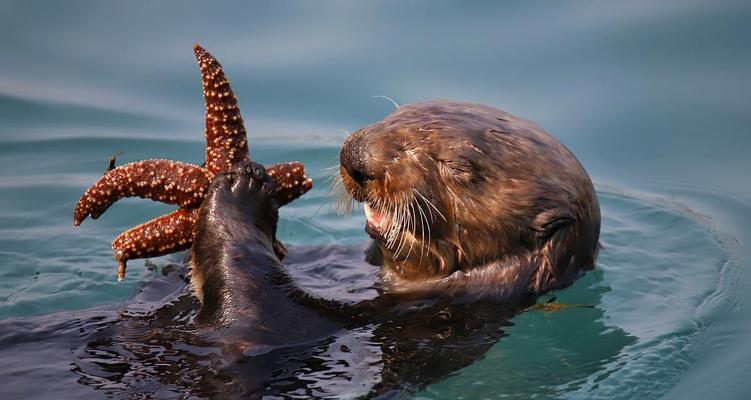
[653, 98]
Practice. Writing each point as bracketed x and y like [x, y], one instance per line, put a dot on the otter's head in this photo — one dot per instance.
[429, 175]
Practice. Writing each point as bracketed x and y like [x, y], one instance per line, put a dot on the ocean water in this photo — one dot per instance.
[652, 97]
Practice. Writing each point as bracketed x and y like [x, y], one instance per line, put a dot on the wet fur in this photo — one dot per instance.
[511, 214]
[299, 345]
[235, 271]
[505, 213]
[486, 203]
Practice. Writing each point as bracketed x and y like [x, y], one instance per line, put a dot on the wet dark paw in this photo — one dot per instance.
[237, 200]
[246, 187]
[247, 180]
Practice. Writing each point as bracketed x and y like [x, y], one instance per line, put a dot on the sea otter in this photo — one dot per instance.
[474, 213]
[467, 200]
[235, 268]
[464, 202]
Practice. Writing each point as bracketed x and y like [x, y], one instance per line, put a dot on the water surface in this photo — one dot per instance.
[652, 98]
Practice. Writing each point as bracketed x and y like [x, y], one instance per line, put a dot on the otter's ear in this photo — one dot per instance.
[548, 222]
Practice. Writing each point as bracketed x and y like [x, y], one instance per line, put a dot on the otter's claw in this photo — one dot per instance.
[259, 172]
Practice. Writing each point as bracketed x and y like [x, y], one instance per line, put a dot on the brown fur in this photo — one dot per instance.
[489, 203]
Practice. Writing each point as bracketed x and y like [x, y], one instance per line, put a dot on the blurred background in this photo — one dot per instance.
[652, 97]
[639, 90]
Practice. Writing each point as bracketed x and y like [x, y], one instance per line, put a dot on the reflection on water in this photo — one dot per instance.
[656, 289]
[642, 333]
[646, 94]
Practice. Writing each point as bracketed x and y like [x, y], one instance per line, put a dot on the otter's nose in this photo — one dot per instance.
[353, 157]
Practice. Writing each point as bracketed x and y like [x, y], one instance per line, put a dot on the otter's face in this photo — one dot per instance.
[422, 182]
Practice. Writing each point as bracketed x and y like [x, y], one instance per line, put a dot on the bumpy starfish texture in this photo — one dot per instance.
[226, 140]
[162, 235]
[170, 182]
[290, 180]
[184, 184]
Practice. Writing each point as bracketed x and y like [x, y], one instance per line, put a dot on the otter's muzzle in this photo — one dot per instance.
[354, 158]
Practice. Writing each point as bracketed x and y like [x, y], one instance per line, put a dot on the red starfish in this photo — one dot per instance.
[184, 184]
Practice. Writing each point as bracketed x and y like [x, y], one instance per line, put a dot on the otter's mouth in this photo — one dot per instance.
[377, 223]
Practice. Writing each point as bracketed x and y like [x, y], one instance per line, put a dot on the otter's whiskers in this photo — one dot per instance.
[343, 201]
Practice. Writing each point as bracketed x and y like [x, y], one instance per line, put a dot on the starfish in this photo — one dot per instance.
[184, 184]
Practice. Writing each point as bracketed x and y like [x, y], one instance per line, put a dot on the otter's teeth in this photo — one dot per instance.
[368, 213]
[375, 218]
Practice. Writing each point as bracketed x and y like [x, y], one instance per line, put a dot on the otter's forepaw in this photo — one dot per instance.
[252, 183]
[251, 178]
[246, 188]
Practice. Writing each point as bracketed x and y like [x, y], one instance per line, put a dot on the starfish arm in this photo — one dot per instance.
[174, 231]
[291, 181]
[162, 235]
[167, 181]
[226, 140]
